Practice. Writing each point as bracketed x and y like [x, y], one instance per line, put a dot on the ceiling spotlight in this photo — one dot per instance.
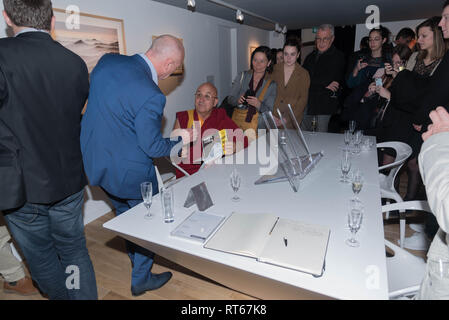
[284, 30]
[239, 16]
[191, 4]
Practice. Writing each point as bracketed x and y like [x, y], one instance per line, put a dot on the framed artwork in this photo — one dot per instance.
[180, 70]
[95, 36]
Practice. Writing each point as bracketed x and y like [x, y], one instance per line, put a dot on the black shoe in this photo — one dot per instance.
[155, 282]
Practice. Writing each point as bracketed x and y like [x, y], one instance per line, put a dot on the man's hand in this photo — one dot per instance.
[333, 86]
[188, 135]
[440, 123]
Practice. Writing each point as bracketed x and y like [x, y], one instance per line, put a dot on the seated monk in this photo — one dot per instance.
[207, 117]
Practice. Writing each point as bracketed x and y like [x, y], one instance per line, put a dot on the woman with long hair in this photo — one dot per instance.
[293, 82]
[357, 105]
[253, 92]
[409, 87]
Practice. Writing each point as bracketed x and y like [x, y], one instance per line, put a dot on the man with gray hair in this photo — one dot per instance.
[326, 69]
[121, 134]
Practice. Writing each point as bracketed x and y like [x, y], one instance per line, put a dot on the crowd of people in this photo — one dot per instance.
[46, 152]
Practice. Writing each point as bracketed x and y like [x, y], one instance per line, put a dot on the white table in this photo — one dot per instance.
[351, 273]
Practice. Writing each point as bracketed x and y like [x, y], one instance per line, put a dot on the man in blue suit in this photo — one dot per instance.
[121, 134]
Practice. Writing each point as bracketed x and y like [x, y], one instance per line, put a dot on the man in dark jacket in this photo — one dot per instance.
[326, 67]
[43, 88]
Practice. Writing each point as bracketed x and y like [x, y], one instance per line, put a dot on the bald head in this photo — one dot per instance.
[205, 99]
[209, 87]
[166, 54]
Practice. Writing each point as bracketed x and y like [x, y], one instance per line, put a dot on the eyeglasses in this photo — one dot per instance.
[326, 39]
[375, 39]
[206, 97]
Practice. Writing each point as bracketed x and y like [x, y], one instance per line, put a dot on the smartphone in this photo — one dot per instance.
[379, 82]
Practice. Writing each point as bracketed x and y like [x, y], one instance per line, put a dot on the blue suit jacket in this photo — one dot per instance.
[121, 129]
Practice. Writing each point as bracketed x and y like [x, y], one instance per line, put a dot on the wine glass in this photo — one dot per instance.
[357, 183]
[358, 136]
[355, 217]
[345, 166]
[235, 184]
[347, 137]
[283, 138]
[146, 188]
[352, 125]
[314, 124]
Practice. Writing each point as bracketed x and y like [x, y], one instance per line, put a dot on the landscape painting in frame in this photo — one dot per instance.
[95, 37]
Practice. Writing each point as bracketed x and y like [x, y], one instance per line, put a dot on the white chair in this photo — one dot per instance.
[405, 271]
[387, 189]
[401, 283]
[402, 206]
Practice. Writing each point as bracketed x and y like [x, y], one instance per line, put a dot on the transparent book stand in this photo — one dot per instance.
[294, 166]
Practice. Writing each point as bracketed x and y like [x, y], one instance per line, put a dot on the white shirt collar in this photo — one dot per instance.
[153, 70]
[29, 30]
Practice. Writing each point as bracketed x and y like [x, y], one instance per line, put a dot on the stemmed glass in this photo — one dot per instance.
[357, 183]
[352, 125]
[347, 136]
[345, 166]
[355, 217]
[358, 136]
[235, 184]
[146, 188]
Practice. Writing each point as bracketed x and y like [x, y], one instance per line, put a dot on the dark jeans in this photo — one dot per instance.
[141, 258]
[52, 240]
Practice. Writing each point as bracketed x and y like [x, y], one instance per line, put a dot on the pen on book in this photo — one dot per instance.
[197, 237]
[285, 241]
[274, 225]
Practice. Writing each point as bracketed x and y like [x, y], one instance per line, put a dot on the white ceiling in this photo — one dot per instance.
[309, 13]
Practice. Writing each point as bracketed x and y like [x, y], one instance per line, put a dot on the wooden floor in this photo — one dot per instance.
[113, 268]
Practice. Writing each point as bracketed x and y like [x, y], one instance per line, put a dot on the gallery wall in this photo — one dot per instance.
[145, 18]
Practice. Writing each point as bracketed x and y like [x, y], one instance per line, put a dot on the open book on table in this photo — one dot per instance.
[270, 239]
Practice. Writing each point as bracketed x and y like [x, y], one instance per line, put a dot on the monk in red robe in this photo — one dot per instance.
[207, 119]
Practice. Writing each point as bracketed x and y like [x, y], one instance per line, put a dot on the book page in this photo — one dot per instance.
[304, 247]
[244, 234]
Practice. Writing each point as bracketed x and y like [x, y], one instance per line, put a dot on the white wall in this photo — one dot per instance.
[361, 30]
[144, 18]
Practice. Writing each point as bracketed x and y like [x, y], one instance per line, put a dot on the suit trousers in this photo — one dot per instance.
[141, 258]
[10, 268]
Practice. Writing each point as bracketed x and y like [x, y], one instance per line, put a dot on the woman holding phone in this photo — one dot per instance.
[405, 94]
[358, 105]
